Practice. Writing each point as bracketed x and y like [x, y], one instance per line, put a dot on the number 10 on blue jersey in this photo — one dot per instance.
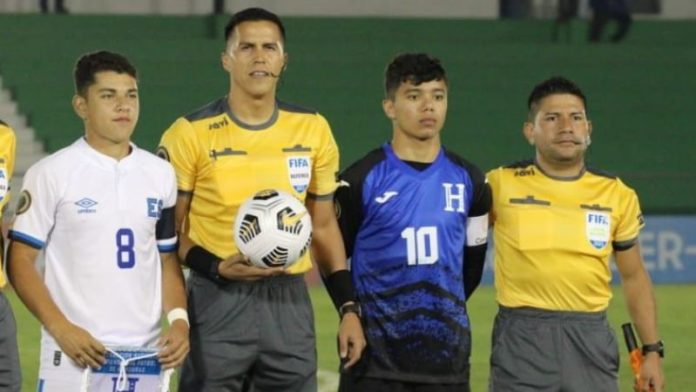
[421, 245]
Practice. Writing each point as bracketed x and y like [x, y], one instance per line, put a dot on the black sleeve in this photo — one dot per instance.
[348, 197]
[482, 196]
[473, 268]
[349, 213]
[348, 203]
[475, 255]
[166, 227]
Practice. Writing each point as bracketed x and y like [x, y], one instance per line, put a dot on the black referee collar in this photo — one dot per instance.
[561, 178]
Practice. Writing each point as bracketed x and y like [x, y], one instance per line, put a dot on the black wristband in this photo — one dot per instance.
[200, 260]
[658, 348]
[349, 307]
[340, 287]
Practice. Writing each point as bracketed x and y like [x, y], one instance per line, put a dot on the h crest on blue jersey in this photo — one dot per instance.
[154, 207]
[457, 197]
[300, 172]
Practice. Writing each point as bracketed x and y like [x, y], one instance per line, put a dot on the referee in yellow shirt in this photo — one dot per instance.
[251, 325]
[556, 224]
[10, 377]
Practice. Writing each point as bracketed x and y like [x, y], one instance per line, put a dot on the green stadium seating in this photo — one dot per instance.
[639, 92]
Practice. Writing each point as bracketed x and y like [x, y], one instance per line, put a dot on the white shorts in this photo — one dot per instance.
[125, 371]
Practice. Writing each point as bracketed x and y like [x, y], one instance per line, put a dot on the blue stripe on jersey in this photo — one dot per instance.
[40, 387]
[166, 247]
[408, 263]
[26, 239]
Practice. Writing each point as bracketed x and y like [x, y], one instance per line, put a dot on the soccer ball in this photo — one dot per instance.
[273, 229]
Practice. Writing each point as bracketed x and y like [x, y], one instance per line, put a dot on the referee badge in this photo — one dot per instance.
[300, 172]
[598, 228]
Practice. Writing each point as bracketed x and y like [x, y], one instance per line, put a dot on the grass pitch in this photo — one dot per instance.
[677, 322]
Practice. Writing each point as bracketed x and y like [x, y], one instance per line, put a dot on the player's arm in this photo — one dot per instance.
[327, 243]
[77, 343]
[329, 254]
[205, 262]
[640, 300]
[181, 210]
[174, 342]
[476, 236]
[348, 209]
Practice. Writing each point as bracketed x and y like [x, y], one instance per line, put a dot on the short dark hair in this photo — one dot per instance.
[552, 86]
[253, 14]
[88, 65]
[412, 67]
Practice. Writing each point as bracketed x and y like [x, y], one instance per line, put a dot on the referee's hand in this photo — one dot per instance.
[238, 267]
[652, 379]
[79, 345]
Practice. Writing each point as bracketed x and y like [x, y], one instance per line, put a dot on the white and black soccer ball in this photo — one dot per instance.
[273, 229]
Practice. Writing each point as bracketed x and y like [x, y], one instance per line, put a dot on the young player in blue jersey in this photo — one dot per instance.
[414, 219]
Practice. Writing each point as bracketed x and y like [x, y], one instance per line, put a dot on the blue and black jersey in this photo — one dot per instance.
[414, 257]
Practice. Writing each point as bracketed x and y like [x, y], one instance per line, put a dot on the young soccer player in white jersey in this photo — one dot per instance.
[10, 375]
[102, 211]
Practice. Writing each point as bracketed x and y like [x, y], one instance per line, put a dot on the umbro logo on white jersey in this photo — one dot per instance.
[385, 197]
[86, 205]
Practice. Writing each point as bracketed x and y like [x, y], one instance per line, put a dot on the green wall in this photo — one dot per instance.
[640, 92]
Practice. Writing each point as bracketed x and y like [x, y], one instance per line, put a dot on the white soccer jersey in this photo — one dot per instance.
[101, 223]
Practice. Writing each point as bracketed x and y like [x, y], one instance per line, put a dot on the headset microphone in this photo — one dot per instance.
[277, 75]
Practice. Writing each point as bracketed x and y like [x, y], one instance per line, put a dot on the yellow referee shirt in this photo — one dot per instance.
[222, 162]
[7, 156]
[553, 236]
